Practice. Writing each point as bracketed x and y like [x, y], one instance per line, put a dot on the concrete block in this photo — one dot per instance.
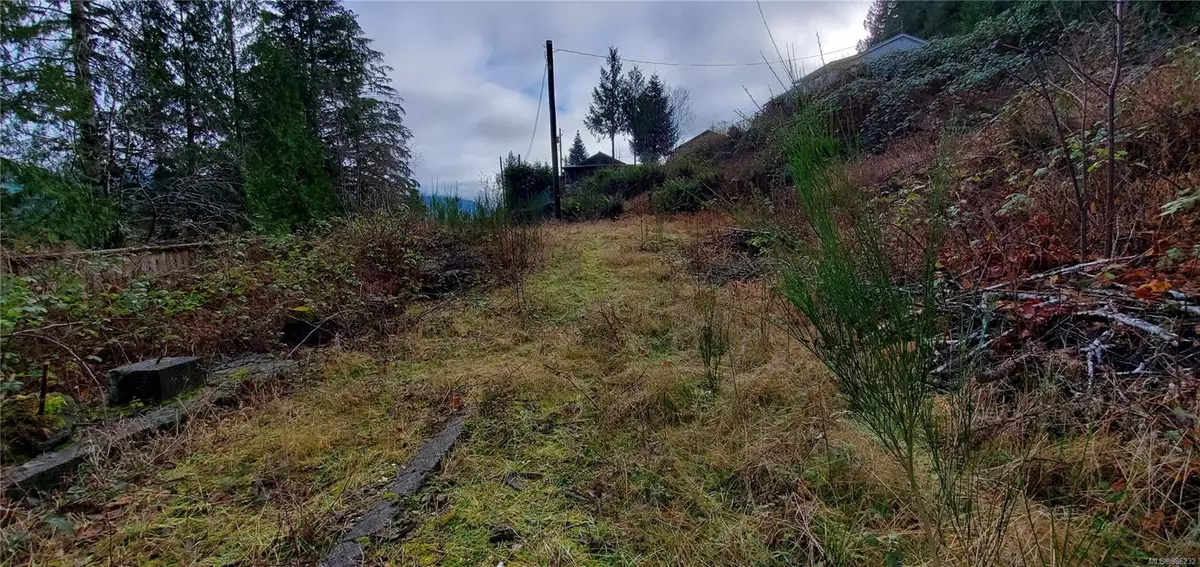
[154, 380]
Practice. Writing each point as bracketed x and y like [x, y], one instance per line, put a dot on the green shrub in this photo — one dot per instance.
[689, 184]
[622, 182]
[680, 195]
[691, 169]
[38, 206]
[591, 205]
[527, 188]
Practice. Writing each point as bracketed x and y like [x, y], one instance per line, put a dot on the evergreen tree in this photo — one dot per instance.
[605, 115]
[287, 183]
[186, 116]
[633, 85]
[578, 153]
[653, 130]
[349, 103]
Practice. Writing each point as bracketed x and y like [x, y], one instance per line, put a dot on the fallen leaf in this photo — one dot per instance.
[1153, 521]
[1152, 289]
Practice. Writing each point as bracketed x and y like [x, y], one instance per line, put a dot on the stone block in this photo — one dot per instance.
[154, 380]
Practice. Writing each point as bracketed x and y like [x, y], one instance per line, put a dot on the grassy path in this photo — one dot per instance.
[593, 438]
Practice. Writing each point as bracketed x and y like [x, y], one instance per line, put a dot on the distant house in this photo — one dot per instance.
[697, 143]
[825, 75]
[598, 161]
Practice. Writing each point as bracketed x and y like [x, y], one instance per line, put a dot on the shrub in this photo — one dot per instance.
[527, 189]
[876, 338]
[38, 206]
[622, 182]
[689, 184]
[591, 205]
[680, 195]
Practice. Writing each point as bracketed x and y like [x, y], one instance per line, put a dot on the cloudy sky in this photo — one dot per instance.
[471, 72]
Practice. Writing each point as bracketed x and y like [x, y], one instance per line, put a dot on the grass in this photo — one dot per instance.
[593, 439]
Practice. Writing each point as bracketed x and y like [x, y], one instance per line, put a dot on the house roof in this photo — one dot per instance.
[696, 139]
[848, 61]
[893, 39]
[597, 159]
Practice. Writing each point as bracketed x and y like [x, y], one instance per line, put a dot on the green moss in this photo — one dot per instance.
[55, 404]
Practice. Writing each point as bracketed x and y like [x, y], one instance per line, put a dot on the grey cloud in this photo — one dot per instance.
[470, 72]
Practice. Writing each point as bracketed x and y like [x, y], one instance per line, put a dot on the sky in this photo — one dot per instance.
[471, 73]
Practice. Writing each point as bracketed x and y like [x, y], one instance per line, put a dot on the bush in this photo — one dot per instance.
[689, 184]
[38, 206]
[622, 182]
[680, 195]
[591, 205]
[528, 189]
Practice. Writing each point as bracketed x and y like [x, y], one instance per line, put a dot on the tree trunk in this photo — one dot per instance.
[89, 149]
[189, 83]
[1110, 215]
[235, 113]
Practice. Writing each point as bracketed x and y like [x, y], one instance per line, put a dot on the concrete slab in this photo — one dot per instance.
[411, 476]
[48, 470]
[154, 380]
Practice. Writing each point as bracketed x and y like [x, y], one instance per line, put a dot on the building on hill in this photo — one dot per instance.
[826, 74]
[598, 161]
[697, 143]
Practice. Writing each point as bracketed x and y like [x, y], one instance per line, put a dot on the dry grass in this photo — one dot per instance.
[592, 440]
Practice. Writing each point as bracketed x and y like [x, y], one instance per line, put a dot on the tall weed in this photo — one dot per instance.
[876, 338]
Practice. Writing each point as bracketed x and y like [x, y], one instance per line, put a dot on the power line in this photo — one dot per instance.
[671, 64]
[539, 112]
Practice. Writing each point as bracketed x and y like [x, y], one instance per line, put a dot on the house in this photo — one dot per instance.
[698, 143]
[825, 75]
[598, 161]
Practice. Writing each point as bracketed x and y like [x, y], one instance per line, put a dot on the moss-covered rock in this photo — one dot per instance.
[28, 433]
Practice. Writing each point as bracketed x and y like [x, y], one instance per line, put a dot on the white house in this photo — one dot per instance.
[826, 74]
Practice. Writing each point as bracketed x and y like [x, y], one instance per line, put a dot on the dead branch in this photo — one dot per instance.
[1061, 271]
[1135, 323]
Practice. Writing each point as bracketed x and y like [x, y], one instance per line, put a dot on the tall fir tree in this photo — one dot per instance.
[653, 130]
[633, 86]
[578, 153]
[181, 116]
[349, 102]
[287, 183]
[605, 116]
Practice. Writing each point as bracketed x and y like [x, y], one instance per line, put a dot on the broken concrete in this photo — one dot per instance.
[154, 380]
[412, 476]
[47, 471]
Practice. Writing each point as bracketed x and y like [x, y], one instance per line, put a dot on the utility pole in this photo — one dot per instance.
[553, 128]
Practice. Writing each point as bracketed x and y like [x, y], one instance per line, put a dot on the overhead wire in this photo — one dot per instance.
[678, 64]
[537, 116]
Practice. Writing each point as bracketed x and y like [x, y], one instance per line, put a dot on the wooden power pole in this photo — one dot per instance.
[553, 128]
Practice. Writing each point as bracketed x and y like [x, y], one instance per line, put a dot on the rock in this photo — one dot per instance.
[27, 433]
[154, 380]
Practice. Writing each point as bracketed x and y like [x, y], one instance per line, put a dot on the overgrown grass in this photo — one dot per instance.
[595, 437]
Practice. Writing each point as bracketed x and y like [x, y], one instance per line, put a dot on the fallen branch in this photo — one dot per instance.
[1004, 369]
[1060, 271]
[25, 258]
[1135, 323]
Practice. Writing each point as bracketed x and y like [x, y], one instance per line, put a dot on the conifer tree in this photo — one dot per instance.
[578, 153]
[605, 115]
